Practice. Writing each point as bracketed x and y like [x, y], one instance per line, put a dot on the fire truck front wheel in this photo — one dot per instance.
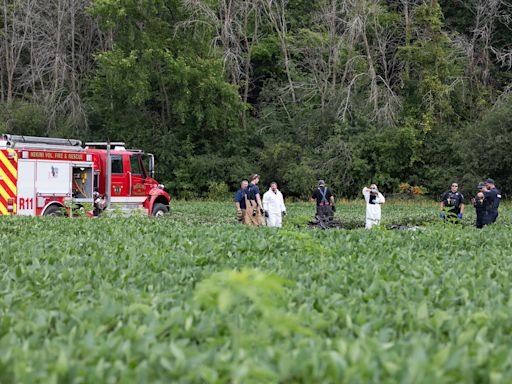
[159, 210]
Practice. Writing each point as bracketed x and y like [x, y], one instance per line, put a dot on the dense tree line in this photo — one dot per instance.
[353, 91]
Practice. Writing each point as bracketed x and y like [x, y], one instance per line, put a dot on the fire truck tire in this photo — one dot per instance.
[159, 210]
[53, 210]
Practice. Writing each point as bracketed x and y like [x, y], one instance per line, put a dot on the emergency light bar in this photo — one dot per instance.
[105, 144]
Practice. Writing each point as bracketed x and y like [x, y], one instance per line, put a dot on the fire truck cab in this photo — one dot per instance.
[44, 176]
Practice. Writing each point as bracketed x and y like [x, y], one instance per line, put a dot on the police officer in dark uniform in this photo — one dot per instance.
[481, 207]
[493, 195]
[452, 204]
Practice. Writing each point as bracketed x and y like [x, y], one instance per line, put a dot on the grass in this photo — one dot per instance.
[351, 213]
[196, 298]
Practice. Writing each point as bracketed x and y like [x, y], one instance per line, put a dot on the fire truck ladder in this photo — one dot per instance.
[43, 143]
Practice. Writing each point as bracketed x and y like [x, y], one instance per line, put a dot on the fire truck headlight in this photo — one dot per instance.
[160, 186]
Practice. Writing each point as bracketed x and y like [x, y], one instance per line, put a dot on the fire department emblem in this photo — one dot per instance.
[117, 189]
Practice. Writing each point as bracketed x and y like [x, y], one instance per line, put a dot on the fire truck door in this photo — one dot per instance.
[26, 204]
[119, 177]
[137, 176]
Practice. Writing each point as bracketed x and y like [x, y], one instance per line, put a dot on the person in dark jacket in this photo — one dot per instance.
[481, 207]
[493, 195]
[324, 200]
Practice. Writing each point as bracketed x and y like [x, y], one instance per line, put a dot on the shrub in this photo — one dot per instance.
[413, 190]
[217, 190]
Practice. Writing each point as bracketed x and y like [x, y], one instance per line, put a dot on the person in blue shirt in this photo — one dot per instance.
[240, 201]
[254, 211]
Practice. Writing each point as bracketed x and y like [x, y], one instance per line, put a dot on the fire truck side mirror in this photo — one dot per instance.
[151, 165]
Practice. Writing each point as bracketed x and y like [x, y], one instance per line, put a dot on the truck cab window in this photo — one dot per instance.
[96, 180]
[135, 165]
[117, 164]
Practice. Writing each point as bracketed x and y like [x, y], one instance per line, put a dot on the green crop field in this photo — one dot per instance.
[196, 298]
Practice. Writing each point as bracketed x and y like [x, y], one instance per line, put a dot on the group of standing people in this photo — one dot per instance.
[254, 210]
[486, 203]
[374, 199]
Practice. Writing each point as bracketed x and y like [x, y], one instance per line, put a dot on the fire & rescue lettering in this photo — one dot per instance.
[45, 155]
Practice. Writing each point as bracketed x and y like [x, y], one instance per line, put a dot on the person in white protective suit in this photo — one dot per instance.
[273, 204]
[374, 199]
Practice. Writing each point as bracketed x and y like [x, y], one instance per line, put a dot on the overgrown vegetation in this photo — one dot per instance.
[352, 91]
[194, 300]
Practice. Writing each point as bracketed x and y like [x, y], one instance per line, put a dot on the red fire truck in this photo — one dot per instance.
[42, 176]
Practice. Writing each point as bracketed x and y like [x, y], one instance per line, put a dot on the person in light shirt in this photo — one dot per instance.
[373, 200]
[273, 204]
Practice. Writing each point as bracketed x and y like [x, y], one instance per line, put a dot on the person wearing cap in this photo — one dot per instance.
[240, 201]
[273, 204]
[493, 196]
[324, 200]
[254, 206]
[373, 199]
[481, 207]
[452, 204]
